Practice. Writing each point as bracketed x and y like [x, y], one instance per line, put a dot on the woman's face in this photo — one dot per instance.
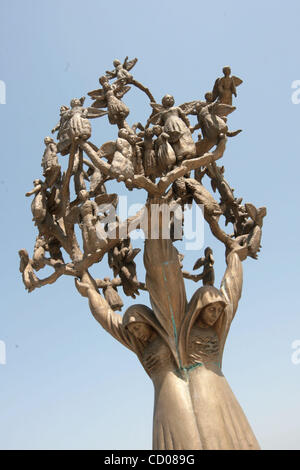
[211, 313]
[140, 330]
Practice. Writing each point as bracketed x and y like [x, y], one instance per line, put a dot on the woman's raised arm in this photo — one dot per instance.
[108, 319]
[232, 282]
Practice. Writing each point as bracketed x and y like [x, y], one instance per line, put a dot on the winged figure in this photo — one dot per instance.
[74, 124]
[121, 71]
[120, 259]
[252, 229]
[109, 96]
[208, 274]
[29, 278]
[225, 87]
[176, 124]
[212, 120]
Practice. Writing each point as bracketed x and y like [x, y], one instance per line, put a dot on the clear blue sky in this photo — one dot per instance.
[67, 383]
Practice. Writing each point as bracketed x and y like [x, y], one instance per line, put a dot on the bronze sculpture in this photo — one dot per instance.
[179, 343]
[225, 87]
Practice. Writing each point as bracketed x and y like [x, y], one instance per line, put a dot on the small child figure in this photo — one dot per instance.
[110, 292]
[208, 273]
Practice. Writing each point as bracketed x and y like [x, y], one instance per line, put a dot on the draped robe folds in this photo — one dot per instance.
[194, 406]
[166, 288]
[221, 422]
[174, 423]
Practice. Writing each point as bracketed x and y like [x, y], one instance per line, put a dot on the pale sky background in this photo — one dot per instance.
[67, 384]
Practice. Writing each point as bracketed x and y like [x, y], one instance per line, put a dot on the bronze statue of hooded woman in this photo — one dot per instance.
[180, 345]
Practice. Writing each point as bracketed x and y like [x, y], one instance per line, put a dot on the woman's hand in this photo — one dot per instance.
[83, 287]
[241, 250]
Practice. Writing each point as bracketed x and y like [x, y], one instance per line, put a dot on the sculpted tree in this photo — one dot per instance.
[179, 343]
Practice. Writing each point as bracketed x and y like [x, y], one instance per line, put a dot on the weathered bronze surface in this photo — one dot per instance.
[180, 344]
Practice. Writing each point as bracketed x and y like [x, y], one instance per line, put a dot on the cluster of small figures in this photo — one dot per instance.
[162, 149]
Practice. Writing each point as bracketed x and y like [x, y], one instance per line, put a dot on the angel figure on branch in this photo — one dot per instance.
[176, 124]
[225, 87]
